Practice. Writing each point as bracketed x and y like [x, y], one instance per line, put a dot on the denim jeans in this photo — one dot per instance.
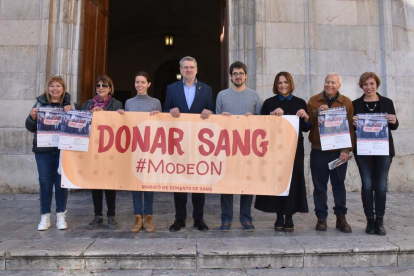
[47, 165]
[148, 202]
[320, 175]
[226, 201]
[374, 176]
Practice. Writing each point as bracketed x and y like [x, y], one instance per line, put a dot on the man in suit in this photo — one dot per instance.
[189, 96]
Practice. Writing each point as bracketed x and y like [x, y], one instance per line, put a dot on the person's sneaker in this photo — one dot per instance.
[177, 225]
[61, 221]
[112, 223]
[225, 227]
[321, 225]
[44, 222]
[96, 220]
[248, 226]
[279, 225]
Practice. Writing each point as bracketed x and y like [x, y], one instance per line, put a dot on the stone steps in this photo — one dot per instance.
[81, 254]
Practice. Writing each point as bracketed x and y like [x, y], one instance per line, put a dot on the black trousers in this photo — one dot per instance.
[180, 201]
[97, 197]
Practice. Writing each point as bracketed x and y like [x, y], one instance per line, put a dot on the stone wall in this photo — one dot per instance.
[37, 38]
[308, 38]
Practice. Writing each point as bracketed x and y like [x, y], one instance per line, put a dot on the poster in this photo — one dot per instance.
[230, 155]
[334, 128]
[49, 124]
[76, 127]
[372, 134]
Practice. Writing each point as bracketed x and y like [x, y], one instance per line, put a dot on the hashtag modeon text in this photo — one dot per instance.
[199, 168]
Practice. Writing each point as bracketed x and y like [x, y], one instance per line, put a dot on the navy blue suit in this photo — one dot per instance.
[203, 99]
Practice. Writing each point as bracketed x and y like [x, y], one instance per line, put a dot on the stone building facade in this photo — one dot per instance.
[308, 38]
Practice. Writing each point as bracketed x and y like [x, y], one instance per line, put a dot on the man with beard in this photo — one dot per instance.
[237, 100]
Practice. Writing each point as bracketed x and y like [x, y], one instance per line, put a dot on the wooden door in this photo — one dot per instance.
[95, 45]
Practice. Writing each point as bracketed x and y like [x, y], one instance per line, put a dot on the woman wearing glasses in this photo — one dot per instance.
[103, 100]
[284, 103]
[47, 158]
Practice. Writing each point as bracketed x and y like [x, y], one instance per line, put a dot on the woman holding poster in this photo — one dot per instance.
[142, 102]
[284, 103]
[103, 100]
[374, 168]
[47, 158]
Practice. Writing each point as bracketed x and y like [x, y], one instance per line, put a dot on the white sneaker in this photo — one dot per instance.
[44, 222]
[61, 221]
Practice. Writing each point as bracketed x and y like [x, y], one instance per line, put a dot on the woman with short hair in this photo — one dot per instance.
[374, 169]
[103, 100]
[47, 158]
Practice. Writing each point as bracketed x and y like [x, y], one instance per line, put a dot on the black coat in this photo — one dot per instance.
[386, 106]
[31, 125]
[296, 201]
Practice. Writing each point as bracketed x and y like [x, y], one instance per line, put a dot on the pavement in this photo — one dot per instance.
[81, 250]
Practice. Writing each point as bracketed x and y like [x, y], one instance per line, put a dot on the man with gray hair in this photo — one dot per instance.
[189, 96]
[319, 159]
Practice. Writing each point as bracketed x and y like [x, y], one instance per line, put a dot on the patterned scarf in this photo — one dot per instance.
[101, 103]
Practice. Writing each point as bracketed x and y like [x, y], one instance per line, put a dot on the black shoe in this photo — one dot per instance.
[279, 225]
[370, 229]
[200, 224]
[379, 227]
[177, 225]
[288, 227]
[96, 220]
[112, 223]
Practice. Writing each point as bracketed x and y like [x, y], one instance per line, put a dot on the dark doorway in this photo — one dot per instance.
[136, 42]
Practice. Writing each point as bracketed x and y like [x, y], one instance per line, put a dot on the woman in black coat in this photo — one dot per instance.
[103, 100]
[374, 168]
[284, 103]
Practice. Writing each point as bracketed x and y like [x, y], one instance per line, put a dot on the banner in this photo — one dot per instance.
[222, 155]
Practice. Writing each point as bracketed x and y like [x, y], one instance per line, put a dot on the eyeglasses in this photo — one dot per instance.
[188, 68]
[240, 74]
[98, 85]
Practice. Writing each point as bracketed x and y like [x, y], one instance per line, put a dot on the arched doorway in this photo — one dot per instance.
[136, 42]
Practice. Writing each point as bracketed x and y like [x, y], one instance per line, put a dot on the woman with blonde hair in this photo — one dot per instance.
[47, 158]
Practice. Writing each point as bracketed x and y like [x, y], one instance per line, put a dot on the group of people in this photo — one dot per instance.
[192, 96]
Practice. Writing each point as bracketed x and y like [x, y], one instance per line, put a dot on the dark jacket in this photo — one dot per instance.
[113, 105]
[313, 105]
[31, 125]
[386, 106]
[176, 98]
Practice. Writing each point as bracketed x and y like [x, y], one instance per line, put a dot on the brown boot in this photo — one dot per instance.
[148, 225]
[341, 223]
[321, 225]
[137, 224]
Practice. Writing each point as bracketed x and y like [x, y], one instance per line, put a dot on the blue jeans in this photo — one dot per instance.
[227, 208]
[320, 175]
[148, 202]
[47, 165]
[374, 176]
